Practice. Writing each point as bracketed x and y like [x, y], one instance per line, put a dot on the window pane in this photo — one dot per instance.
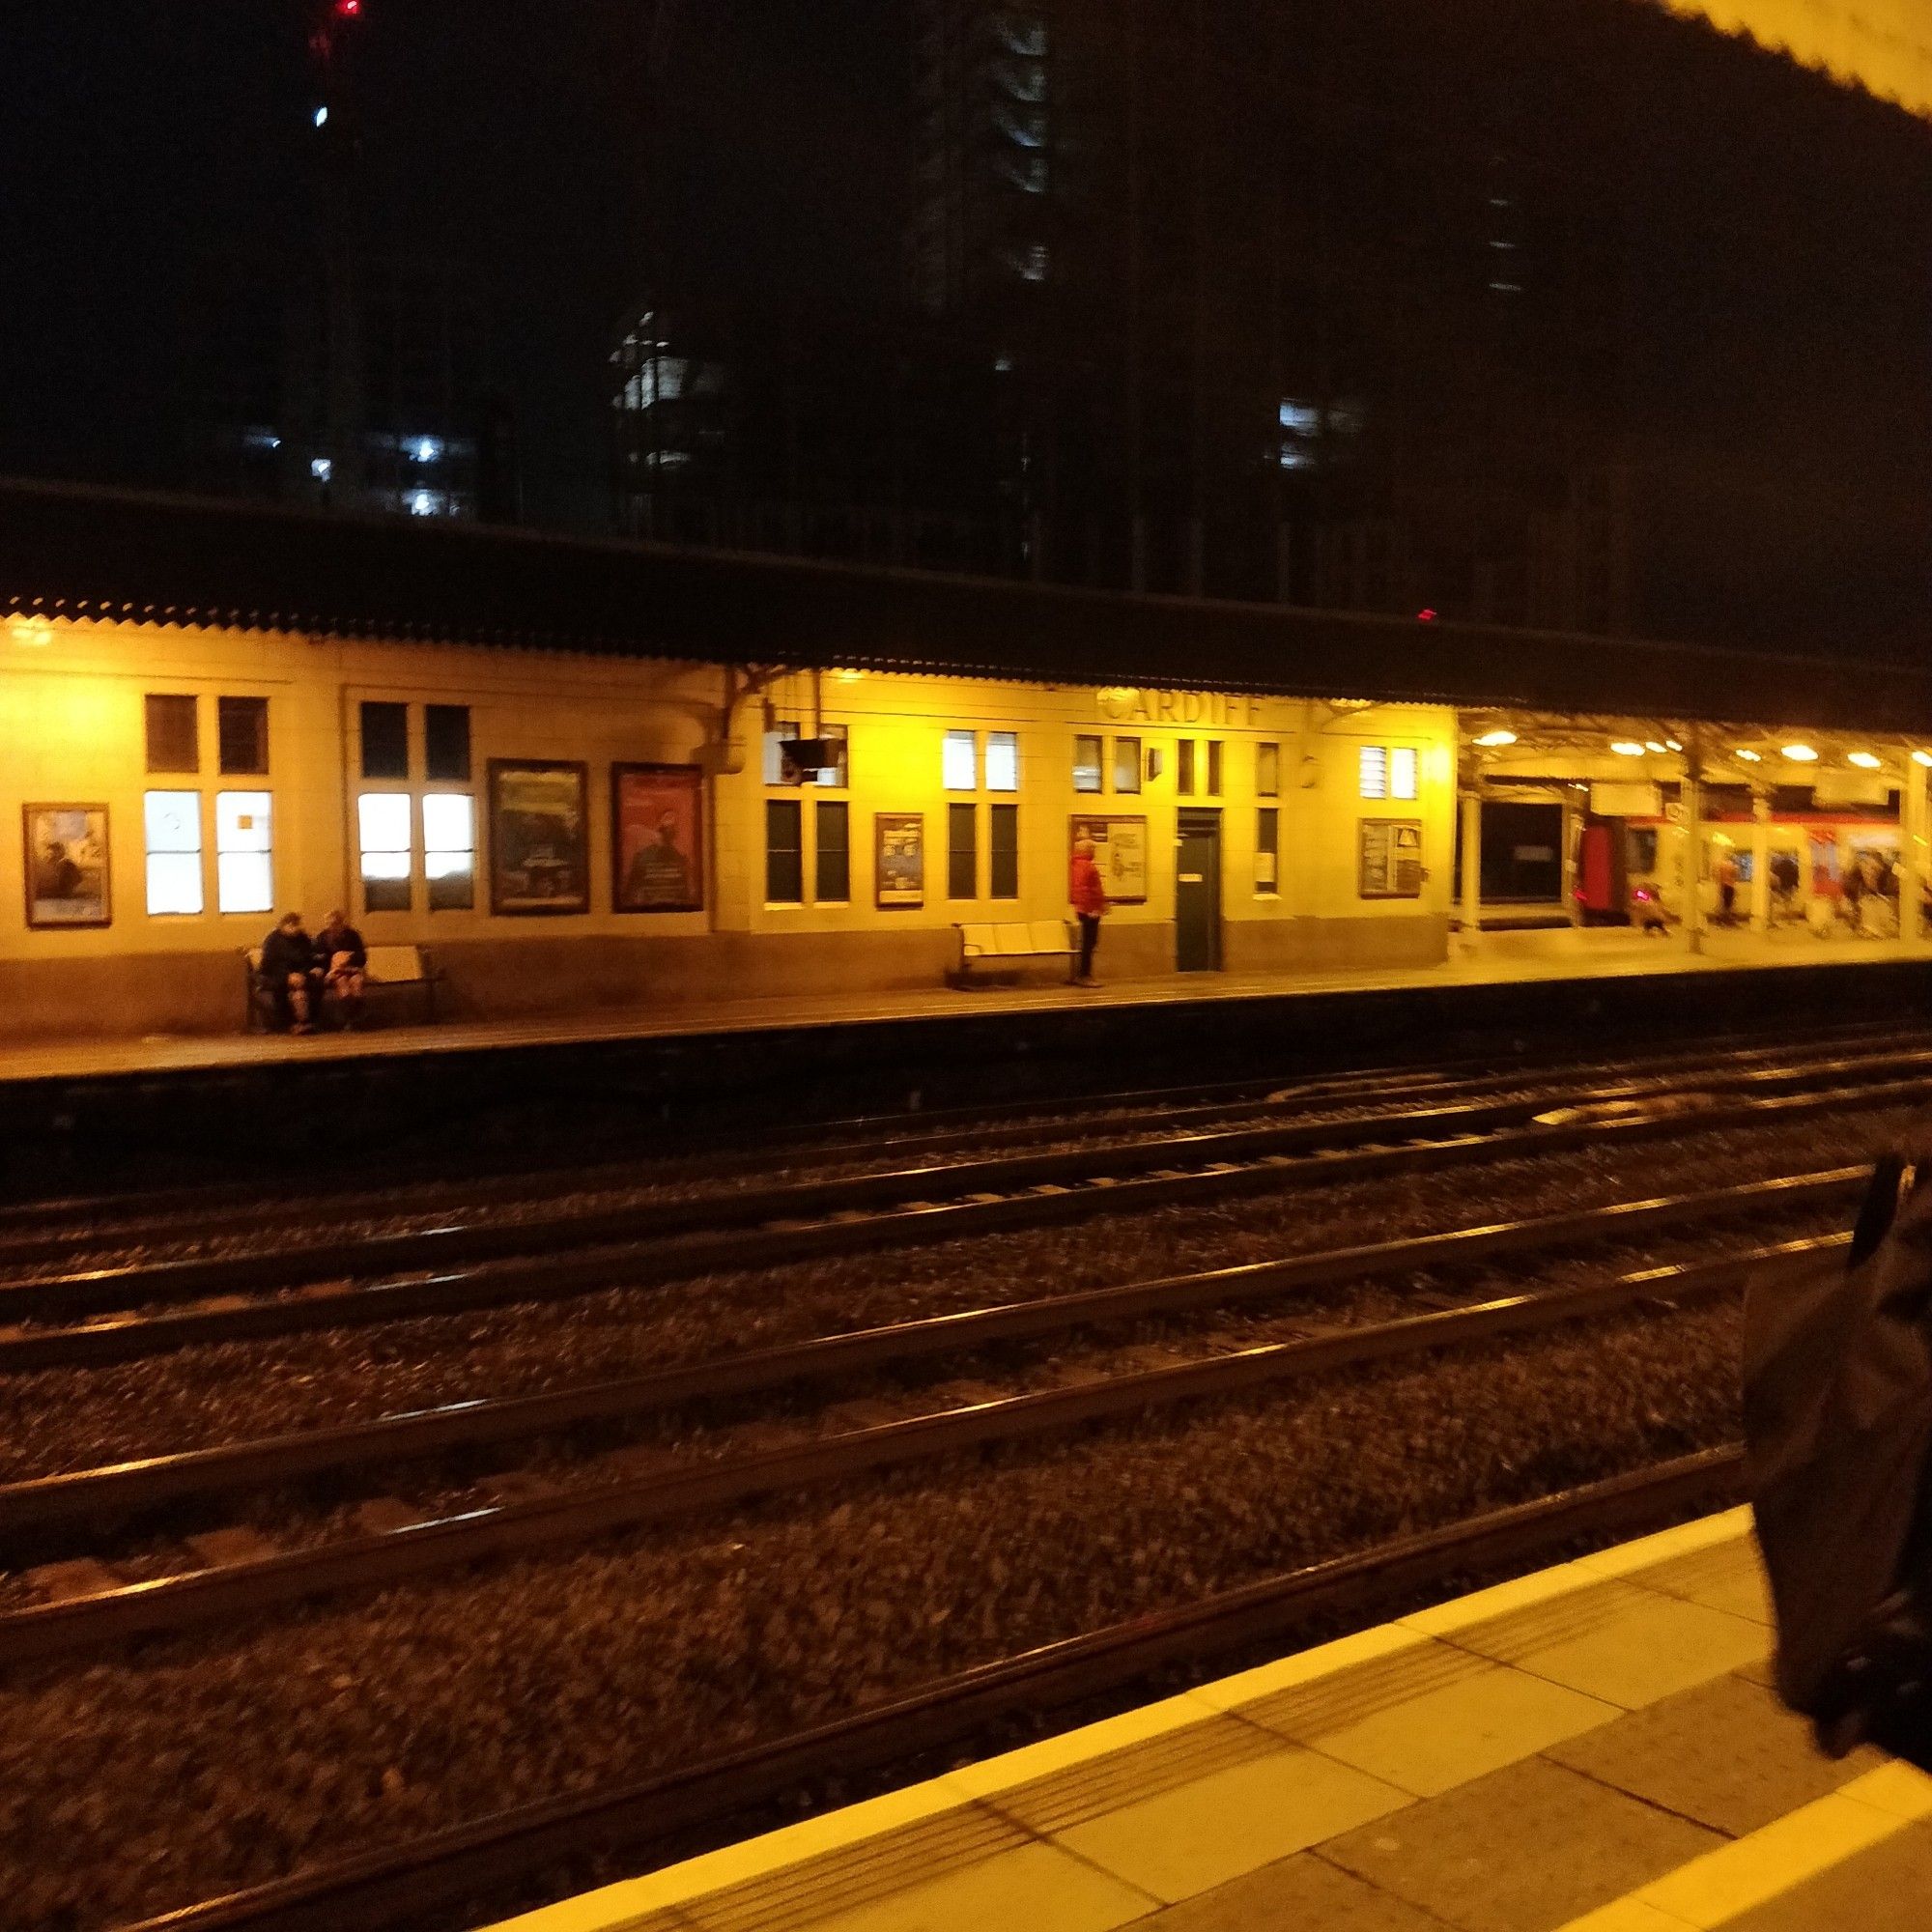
[1126, 764]
[1085, 764]
[835, 858]
[1183, 768]
[449, 823]
[778, 769]
[962, 761]
[245, 882]
[386, 741]
[837, 774]
[785, 859]
[447, 743]
[1267, 770]
[173, 738]
[1401, 772]
[1375, 772]
[1213, 768]
[1267, 849]
[174, 882]
[1003, 761]
[174, 821]
[243, 821]
[452, 881]
[383, 820]
[242, 725]
[962, 852]
[1003, 853]
[385, 865]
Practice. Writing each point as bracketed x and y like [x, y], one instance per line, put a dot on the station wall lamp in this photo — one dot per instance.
[1494, 740]
[1866, 761]
[1801, 754]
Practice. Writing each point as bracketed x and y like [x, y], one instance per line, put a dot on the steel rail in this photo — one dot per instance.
[399, 1885]
[175, 1603]
[165, 1221]
[116, 1491]
[1215, 1175]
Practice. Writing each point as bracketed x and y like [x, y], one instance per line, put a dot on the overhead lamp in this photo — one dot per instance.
[1651, 745]
[1866, 761]
[1922, 757]
[1673, 744]
[1801, 754]
[1757, 758]
[33, 633]
[1497, 739]
[1626, 747]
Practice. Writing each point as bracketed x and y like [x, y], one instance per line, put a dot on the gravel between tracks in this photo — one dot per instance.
[61, 1419]
[131, 1786]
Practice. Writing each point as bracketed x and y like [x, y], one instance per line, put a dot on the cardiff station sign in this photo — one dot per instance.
[1882, 45]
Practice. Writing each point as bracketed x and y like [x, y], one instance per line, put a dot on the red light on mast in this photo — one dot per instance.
[1424, 616]
[348, 9]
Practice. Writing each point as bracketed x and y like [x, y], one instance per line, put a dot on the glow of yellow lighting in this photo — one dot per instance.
[1673, 745]
[849, 676]
[1651, 745]
[1496, 739]
[1922, 757]
[1865, 762]
[33, 633]
[1757, 758]
[1626, 747]
[1801, 754]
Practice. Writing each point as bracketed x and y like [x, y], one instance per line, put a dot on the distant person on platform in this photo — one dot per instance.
[290, 978]
[1727, 889]
[344, 961]
[660, 874]
[1089, 906]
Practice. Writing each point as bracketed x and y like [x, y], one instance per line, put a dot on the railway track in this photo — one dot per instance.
[404, 1883]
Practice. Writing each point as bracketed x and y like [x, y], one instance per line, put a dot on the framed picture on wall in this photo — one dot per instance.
[657, 838]
[1119, 850]
[1391, 858]
[901, 858]
[539, 837]
[65, 849]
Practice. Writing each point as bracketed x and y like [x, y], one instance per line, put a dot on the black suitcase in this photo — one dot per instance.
[1838, 1429]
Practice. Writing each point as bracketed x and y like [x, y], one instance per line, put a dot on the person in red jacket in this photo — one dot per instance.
[1089, 906]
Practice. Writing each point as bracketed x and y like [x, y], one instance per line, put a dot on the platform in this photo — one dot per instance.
[1590, 1748]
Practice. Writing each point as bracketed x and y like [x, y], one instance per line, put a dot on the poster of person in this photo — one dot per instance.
[901, 858]
[66, 865]
[1391, 858]
[657, 838]
[1120, 851]
[539, 837]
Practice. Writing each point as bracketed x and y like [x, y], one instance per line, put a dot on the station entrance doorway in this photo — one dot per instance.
[1197, 893]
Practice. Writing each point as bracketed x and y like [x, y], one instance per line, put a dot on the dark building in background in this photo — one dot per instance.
[1588, 318]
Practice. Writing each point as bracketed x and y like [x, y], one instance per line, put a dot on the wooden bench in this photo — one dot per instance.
[1014, 943]
[393, 969]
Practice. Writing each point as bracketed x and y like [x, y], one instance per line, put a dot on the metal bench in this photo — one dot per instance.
[1014, 943]
[393, 969]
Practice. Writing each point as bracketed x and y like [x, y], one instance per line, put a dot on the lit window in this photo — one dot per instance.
[173, 853]
[1401, 772]
[1126, 764]
[426, 449]
[1003, 761]
[1087, 764]
[383, 822]
[450, 850]
[321, 468]
[962, 761]
[778, 767]
[244, 866]
[1268, 771]
[1375, 772]
[836, 774]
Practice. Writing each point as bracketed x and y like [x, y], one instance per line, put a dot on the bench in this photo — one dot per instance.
[393, 969]
[1014, 943]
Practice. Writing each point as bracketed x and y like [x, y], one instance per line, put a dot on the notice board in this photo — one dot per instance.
[1391, 858]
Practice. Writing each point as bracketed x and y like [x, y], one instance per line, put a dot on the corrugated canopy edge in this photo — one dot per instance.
[90, 554]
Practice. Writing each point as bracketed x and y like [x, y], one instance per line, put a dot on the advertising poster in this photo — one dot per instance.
[1391, 858]
[1120, 851]
[657, 838]
[67, 865]
[539, 837]
[901, 858]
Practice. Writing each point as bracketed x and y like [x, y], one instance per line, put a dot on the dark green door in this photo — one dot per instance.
[1197, 893]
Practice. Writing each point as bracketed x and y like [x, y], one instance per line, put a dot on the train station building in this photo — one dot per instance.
[591, 777]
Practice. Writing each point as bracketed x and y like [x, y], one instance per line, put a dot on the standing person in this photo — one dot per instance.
[1727, 888]
[344, 963]
[290, 980]
[1089, 906]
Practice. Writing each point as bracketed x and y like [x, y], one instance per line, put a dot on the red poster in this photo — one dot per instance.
[657, 837]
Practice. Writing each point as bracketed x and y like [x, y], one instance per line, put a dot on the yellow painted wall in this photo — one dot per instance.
[1882, 45]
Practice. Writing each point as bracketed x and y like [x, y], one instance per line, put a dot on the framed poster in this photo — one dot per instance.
[539, 837]
[1119, 850]
[1391, 858]
[901, 858]
[657, 838]
[66, 865]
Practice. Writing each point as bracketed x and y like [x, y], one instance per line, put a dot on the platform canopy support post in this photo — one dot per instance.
[1473, 863]
[1691, 792]
[1915, 824]
[1760, 878]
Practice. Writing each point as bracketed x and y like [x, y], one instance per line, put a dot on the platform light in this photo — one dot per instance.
[1673, 745]
[848, 676]
[1627, 748]
[1495, 740]
[1651, 745]
[1866, 761]
[1922, 757]
[33, 634]
[1801, 754]
[1750, 758]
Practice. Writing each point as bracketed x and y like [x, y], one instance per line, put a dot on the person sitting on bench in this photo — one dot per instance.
[344, 962]
[289, 981]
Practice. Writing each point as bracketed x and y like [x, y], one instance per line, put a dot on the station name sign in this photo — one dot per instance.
[1178, 707]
